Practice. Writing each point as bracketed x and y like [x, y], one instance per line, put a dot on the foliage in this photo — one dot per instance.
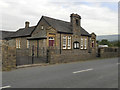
[109, 43]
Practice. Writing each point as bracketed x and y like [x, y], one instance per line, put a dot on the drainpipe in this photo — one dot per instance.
[60, 43]
[37, 48]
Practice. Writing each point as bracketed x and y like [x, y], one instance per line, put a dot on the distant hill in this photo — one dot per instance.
[108, 37]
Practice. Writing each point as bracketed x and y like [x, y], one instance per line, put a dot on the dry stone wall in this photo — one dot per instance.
[8, 54]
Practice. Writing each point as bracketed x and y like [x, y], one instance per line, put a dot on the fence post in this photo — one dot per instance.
[32, 54]
[47, 61]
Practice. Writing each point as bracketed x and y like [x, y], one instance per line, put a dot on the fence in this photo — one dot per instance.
[31, 56]
[110, 49]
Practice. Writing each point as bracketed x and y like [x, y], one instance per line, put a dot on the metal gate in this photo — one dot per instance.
[31, 56]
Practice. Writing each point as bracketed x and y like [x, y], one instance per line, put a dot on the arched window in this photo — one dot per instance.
[76, 45]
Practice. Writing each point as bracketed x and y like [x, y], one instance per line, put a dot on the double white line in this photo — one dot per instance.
[83, 70]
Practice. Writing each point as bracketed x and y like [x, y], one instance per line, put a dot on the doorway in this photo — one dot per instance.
[51, 41]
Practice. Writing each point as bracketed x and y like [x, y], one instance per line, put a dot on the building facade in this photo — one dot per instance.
[53, 40]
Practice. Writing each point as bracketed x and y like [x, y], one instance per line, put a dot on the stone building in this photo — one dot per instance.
[53, 40]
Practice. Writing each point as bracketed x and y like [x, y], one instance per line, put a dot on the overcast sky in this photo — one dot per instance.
[99, 16]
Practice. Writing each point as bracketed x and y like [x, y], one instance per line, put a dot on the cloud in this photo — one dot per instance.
[95, 17]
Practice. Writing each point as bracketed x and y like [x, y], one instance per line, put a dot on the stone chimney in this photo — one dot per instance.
[27, 24]
[75, 20]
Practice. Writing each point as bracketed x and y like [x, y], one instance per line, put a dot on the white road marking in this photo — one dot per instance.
[5, 87]
[83, 70]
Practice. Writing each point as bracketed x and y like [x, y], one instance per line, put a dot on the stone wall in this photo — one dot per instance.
[0, 56]
[56, 57]
[8, 56]
[109, 52]
[78, 55]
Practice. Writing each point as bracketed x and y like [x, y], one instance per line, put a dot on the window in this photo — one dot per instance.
[92, 43]
[85, 43]
[69, 42]
[76, 45]
[77, 23]
[51, 38]
[64, 42]
[17, 43]
[28, 44]
[42, 27]
[81, 43]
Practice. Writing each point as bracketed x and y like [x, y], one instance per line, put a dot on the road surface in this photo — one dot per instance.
[89, 74]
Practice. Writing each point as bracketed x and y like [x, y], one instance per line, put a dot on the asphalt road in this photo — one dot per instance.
[89, 74]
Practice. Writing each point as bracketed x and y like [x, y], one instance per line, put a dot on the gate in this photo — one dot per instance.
[99, 52]
[31, 56]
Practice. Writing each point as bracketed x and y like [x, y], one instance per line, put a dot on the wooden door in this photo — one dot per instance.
[51, 41]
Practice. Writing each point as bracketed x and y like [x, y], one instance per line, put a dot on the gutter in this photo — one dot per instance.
[65, 32]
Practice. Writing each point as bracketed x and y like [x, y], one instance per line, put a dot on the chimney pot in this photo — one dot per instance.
[27, 24]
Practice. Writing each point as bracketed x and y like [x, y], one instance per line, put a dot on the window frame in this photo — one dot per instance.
[64, 45]
[42, 27]
[81, 45]
[17, 43]
[69, 42]
[51, 38]
[28, 43]
[93, 42]
[85, 43]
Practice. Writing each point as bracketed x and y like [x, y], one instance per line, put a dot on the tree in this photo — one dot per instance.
[109, 43]
[104, 42]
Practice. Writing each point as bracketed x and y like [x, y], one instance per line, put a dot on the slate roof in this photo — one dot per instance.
[63, 26]
[59, 25]
[41, 35]
[23, 32]
[84, 32]
[5, 34]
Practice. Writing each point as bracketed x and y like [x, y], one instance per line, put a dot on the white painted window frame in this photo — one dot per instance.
[51, 38]
[69, 42]
[81, 46]
[28, 43]
[17, 43]
[42, 27]
[85, 43]
[64, 42]
[93, 43]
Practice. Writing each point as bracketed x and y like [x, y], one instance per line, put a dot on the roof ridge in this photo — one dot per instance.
[7, 31]
[56, 19]
[28, 27]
